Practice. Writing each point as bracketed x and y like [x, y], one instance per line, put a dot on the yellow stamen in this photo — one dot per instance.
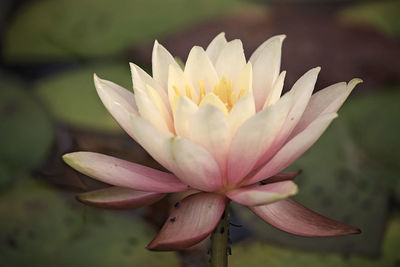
[176, 90]
[202, 91]
[241, 93]
[223, 90]
[188, 92]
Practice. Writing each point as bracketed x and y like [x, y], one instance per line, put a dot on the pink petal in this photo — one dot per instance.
[123, 173]
[195, 166]
[119, 198]
[289, 216]
[189, 223]
[325, 101]
[300, 95]
[293, 149]
[263, 194]
[210, 129]
[281, 177]
[253, 138]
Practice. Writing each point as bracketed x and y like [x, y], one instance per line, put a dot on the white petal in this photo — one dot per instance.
[195, 166]
[164, 112]
[140, 79]
[266, 43]
[244, 80]
[241, 111]
[266, 62]
[118, 101]
[215, 47]
[161, 60]
[231, 61]
[149, 111]
[327, 100]
[209, 128]
[199, 68]
[212, 99]
[184, 112]
[253, 138]
[153, 141]
[177, 79]
[293, 149]
[276, 92]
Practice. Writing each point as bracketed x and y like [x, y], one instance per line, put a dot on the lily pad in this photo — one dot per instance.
[71, 97]
[260, 254]
[382, 15]
[42, 227]
[26, 133]
[55, 30]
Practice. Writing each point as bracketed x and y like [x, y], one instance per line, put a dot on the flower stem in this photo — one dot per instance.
[219, 241]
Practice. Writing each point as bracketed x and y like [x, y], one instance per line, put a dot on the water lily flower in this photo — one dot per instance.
[222, 127]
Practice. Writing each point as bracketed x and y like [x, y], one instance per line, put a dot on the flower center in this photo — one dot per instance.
[223, 93]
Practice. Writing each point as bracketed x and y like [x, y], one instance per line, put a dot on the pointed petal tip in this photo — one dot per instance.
[68, 158]
[354, 82]
[281, 37]
[289, 216]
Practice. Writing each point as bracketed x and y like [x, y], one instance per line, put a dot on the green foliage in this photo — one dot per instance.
[54, 30]
[41, 227]
[259, 254]
[71, 97]
[383, 15]
[26, 133]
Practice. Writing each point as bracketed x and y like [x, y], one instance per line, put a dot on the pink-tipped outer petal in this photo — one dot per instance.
[123, 173]
[289, 216]
[293, 149]
[300, 95]
[281, 177]
[263, 194]
[325, 101]
[190, 222]
[119, 198]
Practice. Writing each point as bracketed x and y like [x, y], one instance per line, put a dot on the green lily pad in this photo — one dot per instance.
[382, 15]
[76, 29]
[26, 133]
[260, 254]
[71, 97]
[42, 227]
[372, 120]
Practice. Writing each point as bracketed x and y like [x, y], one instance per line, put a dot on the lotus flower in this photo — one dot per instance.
[220, 127]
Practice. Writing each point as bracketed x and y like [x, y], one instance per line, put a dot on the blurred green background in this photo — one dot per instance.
[48, 106]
